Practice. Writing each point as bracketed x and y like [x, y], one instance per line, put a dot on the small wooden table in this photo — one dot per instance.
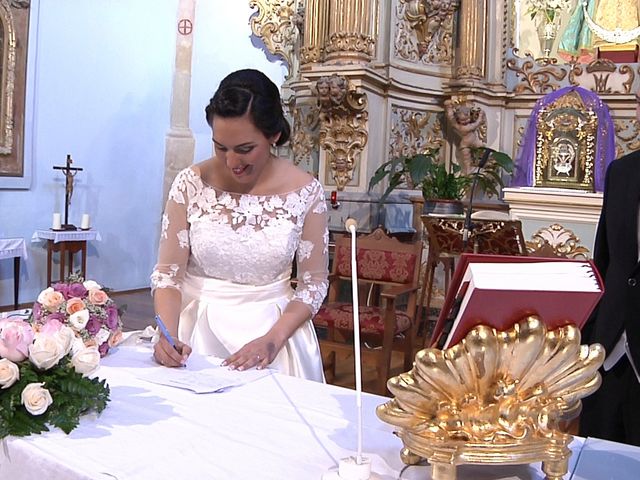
[14, 248]
[67, 243]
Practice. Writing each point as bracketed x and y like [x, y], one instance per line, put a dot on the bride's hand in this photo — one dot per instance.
[166, 355]
[257, 353]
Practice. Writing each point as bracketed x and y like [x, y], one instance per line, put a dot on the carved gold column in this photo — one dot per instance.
[316, 22]
[470, 55]
[352, 25]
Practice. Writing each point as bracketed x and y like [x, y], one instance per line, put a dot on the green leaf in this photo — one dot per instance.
[504, 160]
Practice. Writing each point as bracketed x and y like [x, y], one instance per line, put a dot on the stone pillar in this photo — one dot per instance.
[180, 143]
[470, 58]
[352, 24]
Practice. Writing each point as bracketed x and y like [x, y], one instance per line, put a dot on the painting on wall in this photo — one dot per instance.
[14, 33]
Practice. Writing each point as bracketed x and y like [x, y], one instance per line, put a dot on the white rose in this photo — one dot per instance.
[45, 351]
[9, 373]
[86, 360]
[65, 336]
[43, 294]
[79, 319]
[90, 284]
[102, 336]
[36, 399]
[77, 345]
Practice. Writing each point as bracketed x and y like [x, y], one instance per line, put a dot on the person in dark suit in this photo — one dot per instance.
[613, 412]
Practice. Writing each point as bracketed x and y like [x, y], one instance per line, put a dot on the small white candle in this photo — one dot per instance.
[56, 224]
[85, 223]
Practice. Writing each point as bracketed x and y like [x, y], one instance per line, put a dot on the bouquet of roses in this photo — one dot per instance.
[44, 379]
[85, 307]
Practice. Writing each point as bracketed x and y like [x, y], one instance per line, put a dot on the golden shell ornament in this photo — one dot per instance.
[495, 398]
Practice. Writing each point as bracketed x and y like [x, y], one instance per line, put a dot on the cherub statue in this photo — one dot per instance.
[322, 89]
[337, 89]
[466, 121]
[331, 91]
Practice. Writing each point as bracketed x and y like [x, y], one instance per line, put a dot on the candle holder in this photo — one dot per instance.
[494, 398]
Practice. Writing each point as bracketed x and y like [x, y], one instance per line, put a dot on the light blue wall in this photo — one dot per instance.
[100, 84]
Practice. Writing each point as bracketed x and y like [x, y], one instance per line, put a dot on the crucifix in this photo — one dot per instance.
[69, 173]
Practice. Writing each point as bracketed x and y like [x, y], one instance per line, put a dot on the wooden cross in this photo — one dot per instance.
[69, 173]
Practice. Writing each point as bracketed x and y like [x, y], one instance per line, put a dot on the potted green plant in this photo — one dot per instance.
[442, 189]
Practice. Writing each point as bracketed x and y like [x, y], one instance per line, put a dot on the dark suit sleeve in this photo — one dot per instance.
[600, 255]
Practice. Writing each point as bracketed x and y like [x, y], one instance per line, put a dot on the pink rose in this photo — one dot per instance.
[15, 338]
[98, 297]
[50, 299]
[115, 338]
[51, 326]
[75, 305]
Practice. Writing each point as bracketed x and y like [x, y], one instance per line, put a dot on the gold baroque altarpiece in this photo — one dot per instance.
[14, 30]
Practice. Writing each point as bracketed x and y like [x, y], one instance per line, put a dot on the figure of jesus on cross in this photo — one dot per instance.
[69, 172]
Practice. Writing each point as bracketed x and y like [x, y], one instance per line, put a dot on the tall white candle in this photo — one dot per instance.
[85, 223]
[351, 226]
[56, 224]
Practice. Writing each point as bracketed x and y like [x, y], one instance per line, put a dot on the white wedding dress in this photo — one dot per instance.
[230, 255]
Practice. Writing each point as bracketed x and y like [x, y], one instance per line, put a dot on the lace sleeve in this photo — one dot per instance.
[313, 252]
[173, 251]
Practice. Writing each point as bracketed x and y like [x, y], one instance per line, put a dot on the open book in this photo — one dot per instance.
[499, 291]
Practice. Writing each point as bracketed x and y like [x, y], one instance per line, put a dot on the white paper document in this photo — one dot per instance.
[209, 380]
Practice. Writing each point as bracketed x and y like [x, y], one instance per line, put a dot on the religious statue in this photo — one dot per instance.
[467, 121]
[580, 41]
[69, 173]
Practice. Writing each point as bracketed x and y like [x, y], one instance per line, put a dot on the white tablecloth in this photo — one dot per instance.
[13, 247]
[276, 428]
[65, 235]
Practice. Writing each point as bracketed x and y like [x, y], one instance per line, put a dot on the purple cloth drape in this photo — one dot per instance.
[605, 140]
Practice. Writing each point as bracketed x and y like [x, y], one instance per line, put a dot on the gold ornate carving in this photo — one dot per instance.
[8, 62]
[343, 120]
[496, 397]
[414, 131]
[315, 31]
[536, 76]
[277, 23]
[424, 30]
[627, 135]
[352, 25]
[520, 136]
[558, 241]
[565, 144]
[304, 133]
[342, 42]
[602, 76]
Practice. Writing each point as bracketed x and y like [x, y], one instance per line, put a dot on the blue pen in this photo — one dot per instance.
[165, 332]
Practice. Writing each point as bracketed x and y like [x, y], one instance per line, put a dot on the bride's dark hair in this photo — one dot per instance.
[250, 91]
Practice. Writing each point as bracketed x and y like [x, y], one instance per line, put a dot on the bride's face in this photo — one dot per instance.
[242, 148]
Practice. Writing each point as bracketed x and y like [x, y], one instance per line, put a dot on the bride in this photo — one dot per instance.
[231, 229]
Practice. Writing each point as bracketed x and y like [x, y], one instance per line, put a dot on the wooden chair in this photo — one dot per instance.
[444, 236]
[388, 268]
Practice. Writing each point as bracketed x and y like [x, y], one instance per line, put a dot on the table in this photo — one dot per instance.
[15, 248]
[67, 242]
[274, 428]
